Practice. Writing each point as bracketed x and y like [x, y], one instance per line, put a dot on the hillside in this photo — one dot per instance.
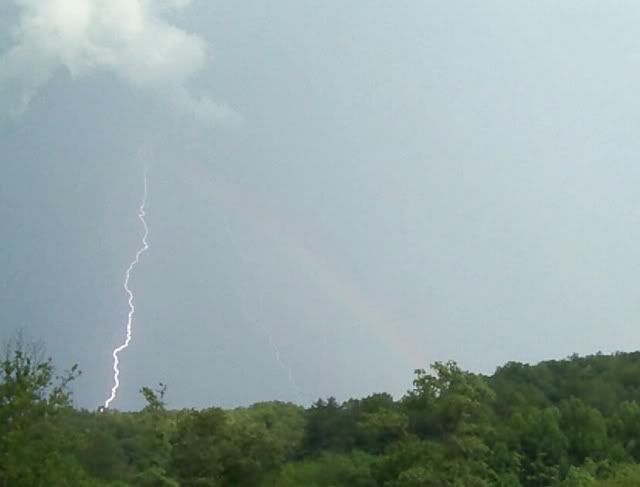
[572, 422]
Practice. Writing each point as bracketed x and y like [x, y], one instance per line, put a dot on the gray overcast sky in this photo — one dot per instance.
[360, 187]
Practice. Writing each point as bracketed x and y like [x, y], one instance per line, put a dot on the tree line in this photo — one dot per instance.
[566, 423]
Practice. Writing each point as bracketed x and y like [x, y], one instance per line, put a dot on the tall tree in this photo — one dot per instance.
[36, 447]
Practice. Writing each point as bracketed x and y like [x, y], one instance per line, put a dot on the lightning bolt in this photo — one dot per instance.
[132, 308]
[301, 393]
[283, 366]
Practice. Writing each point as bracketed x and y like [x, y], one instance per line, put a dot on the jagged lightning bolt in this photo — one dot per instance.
[132, 308]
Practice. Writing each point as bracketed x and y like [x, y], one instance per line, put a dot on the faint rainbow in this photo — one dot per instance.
[362, 306]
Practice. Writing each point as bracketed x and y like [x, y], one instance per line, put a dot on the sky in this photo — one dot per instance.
[339, 193]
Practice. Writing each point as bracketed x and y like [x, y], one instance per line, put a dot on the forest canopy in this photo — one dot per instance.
[568, 423]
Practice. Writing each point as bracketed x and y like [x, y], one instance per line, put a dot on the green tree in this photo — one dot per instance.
[622, 476]
[329, 469]
[196, 456]
[455, 408]
[284, 424]
[448, 401]
[36, 447]
[329, 426]
[379, 429]
[538, 437]
[585, 429]
[209, 448]
[625, 428]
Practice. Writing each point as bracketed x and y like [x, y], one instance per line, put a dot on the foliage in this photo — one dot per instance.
[568, 423]
[35, 442]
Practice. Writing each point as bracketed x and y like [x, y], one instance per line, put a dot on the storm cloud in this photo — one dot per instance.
[131, 39]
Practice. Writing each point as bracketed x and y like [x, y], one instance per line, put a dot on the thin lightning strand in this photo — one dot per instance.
[274, 346]
[132, 308]
[288, 370]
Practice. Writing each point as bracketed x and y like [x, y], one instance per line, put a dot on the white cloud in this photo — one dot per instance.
[127, 37]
